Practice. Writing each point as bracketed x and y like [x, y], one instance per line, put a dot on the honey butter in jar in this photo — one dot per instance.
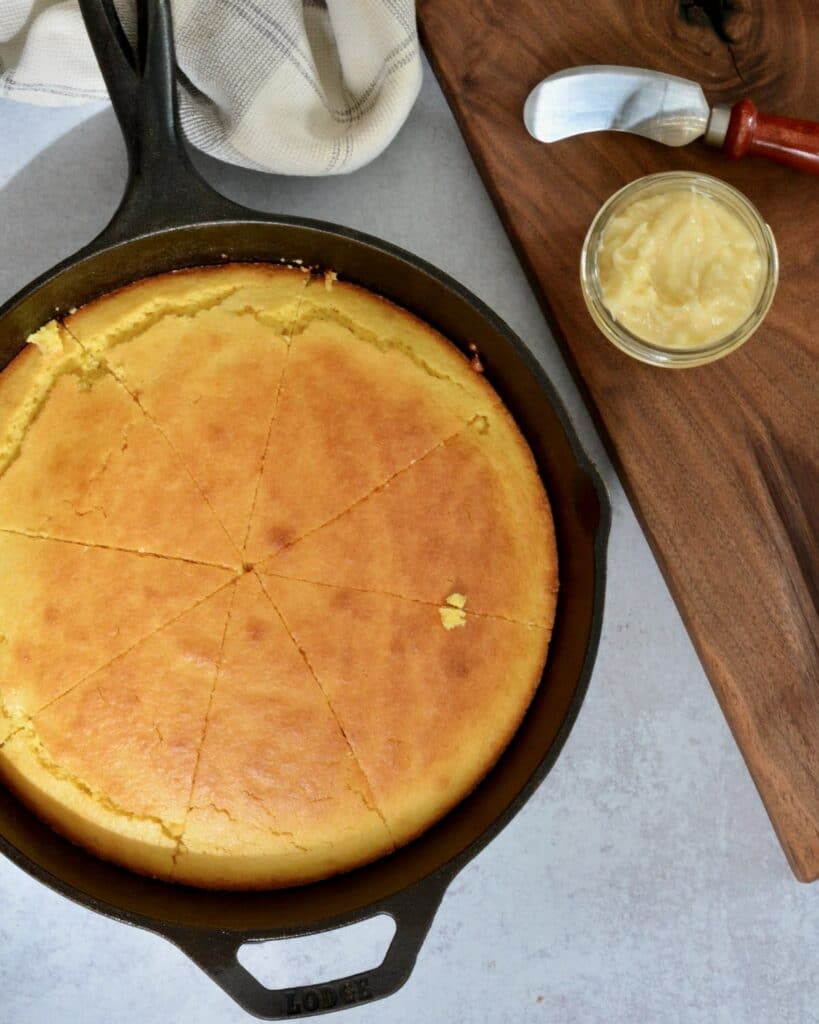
[678, 269]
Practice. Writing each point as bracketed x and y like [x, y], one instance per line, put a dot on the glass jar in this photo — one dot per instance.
[677, 356]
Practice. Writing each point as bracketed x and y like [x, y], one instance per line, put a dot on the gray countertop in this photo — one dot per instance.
[642, 882]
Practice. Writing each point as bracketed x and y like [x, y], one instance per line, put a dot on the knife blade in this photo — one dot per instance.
[664, 108]
[604, 98]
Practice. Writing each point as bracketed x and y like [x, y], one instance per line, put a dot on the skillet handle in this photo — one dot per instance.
[216, 954]
[163, 190]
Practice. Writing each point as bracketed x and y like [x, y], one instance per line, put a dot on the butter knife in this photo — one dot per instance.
[665, 108]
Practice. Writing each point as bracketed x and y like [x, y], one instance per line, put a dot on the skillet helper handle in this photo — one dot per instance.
[783, 139]
[164, 190]
[216, 954]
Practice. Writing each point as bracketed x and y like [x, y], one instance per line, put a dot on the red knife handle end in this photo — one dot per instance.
[783, 139]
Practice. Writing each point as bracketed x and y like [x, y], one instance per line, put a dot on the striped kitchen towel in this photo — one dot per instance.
[289, 86]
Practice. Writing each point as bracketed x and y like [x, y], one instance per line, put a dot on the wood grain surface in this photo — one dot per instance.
[721, 462]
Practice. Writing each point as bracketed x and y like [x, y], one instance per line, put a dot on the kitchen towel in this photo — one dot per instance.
[288, 86]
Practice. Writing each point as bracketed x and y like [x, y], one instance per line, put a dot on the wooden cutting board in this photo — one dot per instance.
[721, 462]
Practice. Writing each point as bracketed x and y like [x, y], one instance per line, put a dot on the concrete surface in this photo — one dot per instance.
[642, 883]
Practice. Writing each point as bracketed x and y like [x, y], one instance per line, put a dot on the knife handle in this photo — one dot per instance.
[783, 139]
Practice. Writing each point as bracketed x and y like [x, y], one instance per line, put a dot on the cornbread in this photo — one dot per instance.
[277, 576]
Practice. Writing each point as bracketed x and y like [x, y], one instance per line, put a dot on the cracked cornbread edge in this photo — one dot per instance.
[86, 817]
[93, 815]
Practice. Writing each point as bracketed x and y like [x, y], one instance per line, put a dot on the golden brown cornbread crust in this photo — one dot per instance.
[277, 576]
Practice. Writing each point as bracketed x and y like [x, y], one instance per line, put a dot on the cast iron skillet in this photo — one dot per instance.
[170, 218]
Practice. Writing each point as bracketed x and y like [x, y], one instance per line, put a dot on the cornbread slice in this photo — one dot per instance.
[366, 392]
[93, 468]
[210, 382]
[110, 763]
[66, 610]
[426, 709]
[279, 798]
[470, 517]
[209, 378]
[381, 324]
